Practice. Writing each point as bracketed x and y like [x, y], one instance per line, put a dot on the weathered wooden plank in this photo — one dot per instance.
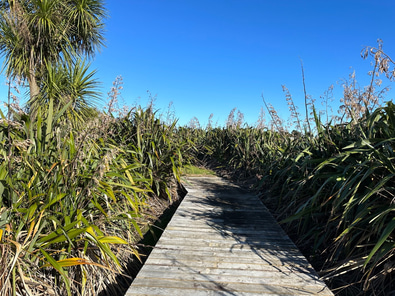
[240, 234]
[229, 242]
[265, 278]
[143, 291]
[280, 275]
[223, 241]
[225, 288]
[229, 249]
[205, 265]
[196, 227]
[205, 271]
[216, 256]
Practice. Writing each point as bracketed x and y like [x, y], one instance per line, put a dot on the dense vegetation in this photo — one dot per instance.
[331, 184]
[75, 202]
[80, 186]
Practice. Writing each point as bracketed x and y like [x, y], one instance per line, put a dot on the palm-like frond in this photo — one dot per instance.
[69, 84]
[40, 32]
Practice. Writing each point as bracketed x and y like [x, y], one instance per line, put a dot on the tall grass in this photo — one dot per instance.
[332, 188]
[74, 202]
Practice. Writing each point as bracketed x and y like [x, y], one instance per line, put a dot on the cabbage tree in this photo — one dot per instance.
[37, 35]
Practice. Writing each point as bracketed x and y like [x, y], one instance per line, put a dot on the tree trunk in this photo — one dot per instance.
[33, 87]
[32, 80]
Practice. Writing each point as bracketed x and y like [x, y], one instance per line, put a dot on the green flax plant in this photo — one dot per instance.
[345, 204]
[155, 146]
[246, 150]
[336, 185]
[195, 144]
[74, 202]
[333, 187]
[340, 184]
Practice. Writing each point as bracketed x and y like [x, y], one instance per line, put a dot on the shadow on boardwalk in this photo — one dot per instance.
[223, 241]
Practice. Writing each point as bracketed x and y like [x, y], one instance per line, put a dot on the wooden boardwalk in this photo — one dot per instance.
[223, 241]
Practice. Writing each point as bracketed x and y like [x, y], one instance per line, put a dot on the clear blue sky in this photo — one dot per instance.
[210, 56]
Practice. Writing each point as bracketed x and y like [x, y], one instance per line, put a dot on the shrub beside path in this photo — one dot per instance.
[223, 241]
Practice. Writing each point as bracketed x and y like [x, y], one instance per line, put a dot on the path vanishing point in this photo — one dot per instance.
[223, 241]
